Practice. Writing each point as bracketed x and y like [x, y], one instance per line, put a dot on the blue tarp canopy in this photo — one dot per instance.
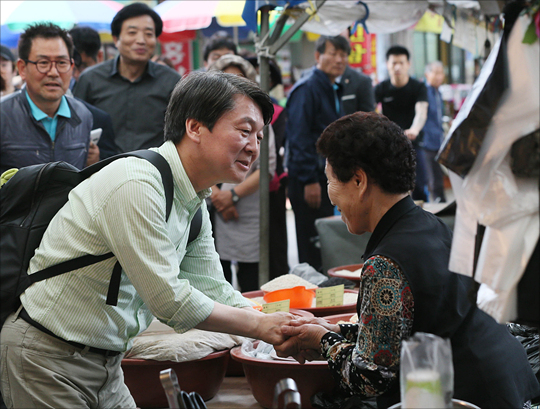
[250, 9]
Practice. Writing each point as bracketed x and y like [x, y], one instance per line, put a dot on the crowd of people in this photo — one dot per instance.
[329, 151]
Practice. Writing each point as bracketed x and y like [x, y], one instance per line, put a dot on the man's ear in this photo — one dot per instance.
[100, 56]
[194, 130]
[21, 67]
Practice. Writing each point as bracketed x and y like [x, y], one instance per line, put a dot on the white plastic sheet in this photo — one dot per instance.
[335, 16]
[491, 195]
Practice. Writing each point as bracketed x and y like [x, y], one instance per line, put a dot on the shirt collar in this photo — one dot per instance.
[150, 70]
[405, 205]
[180, 177]
[38, 114]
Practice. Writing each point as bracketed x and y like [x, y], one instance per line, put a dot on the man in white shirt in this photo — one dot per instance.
[213, 129]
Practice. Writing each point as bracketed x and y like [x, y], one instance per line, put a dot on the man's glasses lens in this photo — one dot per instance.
[44, 66]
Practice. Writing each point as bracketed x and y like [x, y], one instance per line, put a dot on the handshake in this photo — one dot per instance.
[303, 338]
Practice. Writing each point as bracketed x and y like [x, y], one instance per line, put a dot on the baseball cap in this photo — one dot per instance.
[7, 54]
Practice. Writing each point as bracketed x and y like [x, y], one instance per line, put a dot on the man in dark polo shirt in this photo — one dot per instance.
[404, 101]
[132, 89]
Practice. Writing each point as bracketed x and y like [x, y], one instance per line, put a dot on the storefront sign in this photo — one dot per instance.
[177, 47]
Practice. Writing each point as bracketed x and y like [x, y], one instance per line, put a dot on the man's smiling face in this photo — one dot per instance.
[234, 142]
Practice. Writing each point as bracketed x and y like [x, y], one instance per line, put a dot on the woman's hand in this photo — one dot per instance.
[303, 342]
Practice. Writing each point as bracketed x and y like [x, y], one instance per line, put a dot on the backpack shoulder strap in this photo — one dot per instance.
[155, 159]
[195, 227]
[166, 175]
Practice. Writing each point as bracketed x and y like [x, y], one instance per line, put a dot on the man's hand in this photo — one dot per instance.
[312, 195]
[230, 213]
[304, 341]
[316, 320]
[270, 327]
[221, 199]
[93, 154]
[411, 134]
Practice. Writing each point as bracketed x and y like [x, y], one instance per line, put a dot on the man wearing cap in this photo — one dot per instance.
[131, 88]
[7, 70]
[40, 123]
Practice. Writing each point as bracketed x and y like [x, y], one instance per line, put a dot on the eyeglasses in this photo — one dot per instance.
[44, 66]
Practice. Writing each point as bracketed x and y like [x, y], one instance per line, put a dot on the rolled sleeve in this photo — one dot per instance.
[201, 266]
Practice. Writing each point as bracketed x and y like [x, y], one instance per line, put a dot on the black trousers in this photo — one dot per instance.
[305, 216]
[435, 177]
[247, 274]
[279, 263]
[419, 192]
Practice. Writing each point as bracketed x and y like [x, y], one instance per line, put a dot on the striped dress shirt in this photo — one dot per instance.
[122, 209]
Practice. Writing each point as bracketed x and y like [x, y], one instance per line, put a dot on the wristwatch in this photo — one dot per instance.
[235, 197]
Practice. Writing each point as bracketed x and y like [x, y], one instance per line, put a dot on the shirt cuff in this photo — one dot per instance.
[349, 331]
[329, 340]
[194, 310]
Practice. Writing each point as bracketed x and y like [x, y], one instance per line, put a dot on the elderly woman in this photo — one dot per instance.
[236, 224]
[406, 286]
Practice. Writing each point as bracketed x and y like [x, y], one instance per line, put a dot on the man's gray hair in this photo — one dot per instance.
[206, 97]
[431, 65]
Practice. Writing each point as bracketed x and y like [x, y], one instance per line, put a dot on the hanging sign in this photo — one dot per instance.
[363, 51]
[177, 47]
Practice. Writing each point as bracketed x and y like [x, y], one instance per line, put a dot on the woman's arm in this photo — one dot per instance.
[369, 365]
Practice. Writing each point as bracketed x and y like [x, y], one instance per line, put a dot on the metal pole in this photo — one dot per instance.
[235, 34]
[270, 46]
[264, 242]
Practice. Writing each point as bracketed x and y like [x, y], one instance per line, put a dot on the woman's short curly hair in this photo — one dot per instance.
[372, 142]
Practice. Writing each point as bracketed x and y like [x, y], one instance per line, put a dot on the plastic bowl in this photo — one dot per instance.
[316, 311]
[334, 319]
[333, 272]
[262, 376]
[299, 296]
[203, 376]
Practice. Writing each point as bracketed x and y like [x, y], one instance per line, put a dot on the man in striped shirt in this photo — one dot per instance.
[213, 129]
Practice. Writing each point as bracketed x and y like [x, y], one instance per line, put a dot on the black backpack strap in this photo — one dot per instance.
[155, 159]
[66, 266]
[70, 265]
[114, 285]
[195, 227]
[166, 176]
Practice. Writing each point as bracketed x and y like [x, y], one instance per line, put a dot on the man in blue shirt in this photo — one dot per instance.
[433, 130]
[313, 104]
[40, 124]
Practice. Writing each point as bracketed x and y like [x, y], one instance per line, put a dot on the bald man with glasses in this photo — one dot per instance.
[40, 123]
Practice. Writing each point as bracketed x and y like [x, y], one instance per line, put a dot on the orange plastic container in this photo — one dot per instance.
[299, 296]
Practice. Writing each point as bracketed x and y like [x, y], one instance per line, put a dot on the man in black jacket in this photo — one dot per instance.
[87, 52]
[357, 92]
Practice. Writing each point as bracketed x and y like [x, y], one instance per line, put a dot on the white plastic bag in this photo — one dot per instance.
[261, 351]
[426, 372]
